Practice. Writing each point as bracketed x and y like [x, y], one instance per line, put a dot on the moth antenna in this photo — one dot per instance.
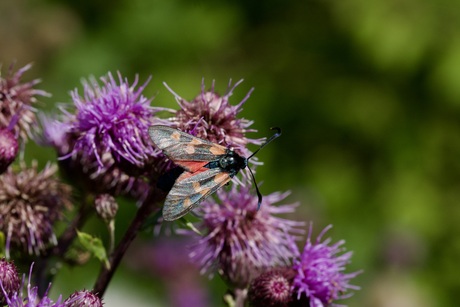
[257, 189]
[277, 134]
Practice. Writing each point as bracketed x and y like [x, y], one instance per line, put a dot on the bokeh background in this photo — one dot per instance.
[367, 94]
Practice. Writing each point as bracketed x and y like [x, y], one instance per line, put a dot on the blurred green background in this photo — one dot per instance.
[367, 94]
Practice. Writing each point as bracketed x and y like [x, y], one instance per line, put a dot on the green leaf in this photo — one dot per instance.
[94, 246]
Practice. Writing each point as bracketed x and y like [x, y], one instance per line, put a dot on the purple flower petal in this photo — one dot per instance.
[320, 270]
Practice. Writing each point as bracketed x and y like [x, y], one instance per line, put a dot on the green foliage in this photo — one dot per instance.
[94, 246]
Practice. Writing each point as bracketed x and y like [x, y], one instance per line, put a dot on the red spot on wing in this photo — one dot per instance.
[191, 166]
[186, 175]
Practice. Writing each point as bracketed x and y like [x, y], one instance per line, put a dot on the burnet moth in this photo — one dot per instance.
[206, 168]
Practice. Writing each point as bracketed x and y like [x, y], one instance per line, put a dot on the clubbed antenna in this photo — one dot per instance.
[277, 134]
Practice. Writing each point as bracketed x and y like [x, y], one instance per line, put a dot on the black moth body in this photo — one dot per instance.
[231, 163]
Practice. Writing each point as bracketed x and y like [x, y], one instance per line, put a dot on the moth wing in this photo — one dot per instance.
[190, 189]
[180, 146]
[191, 166]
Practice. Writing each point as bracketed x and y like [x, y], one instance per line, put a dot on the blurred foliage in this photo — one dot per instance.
[366, 92]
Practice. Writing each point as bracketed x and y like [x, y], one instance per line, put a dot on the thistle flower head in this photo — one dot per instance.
[16, 102]
[8, 148]
[9, 280]
[211, 116]
[112, 118]
[104, 145]
[272, 288]
[87, 174]
[320, 272]
[17, 299]
[83, 298]
[241, 241]
[30, 203]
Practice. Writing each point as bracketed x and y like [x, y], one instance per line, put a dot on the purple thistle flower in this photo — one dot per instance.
[17, 299]
[112, 118]
[8, 148]
[9, 280]
[241, 241]
[88, 175]
[30, 203]
[83, 299]
[212, 117]
[105, 146]
[320, 276]
[272, 288]
[16, 102]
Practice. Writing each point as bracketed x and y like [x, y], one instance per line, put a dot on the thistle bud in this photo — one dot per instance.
[9, 279]
[83, 298]
[272, 288]
[106, 207]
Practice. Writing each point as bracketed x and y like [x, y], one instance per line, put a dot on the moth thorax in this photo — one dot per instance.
[226, 161]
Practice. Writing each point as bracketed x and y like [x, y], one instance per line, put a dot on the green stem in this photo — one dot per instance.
[111, 229]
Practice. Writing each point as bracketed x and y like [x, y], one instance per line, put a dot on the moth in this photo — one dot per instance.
[206, 168]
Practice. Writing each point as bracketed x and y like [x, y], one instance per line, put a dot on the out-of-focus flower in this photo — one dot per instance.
[17, 299]
[241, 241]
[320, 273]
[168, 261]
[212, 117]
[16, 102]
[56, 133]
[8, 148]
[30, 203]
[104, 143]
[9, 280]
[272, 288]
[83, 298]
